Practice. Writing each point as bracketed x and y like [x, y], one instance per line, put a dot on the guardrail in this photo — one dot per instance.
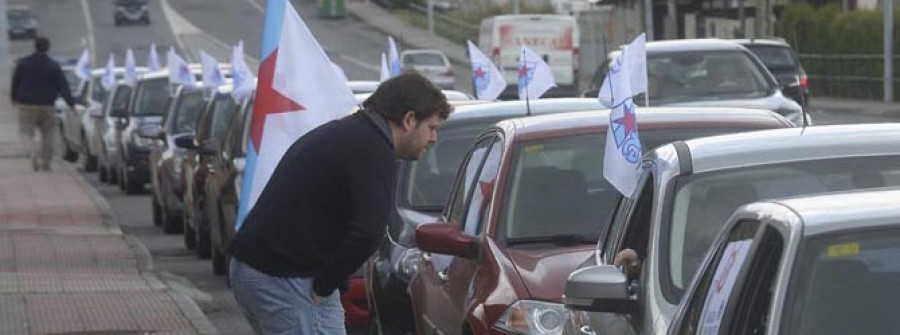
[453, 29]
[859, 76]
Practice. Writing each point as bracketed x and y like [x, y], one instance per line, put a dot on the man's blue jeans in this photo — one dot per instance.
[275, 305]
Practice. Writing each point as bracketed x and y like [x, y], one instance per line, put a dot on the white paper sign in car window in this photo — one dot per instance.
[722, 284]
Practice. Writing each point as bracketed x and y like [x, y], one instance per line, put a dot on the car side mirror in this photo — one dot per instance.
[209, 148]
[445, 238]
[599, 288]
[239, 164]
[150, 131]
[185, 142]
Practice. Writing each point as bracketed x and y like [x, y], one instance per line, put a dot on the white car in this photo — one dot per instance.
[432, 64]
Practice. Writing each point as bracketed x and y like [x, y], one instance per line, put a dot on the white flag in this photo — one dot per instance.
[109, 76]
[622, 159]
[212, 75]
[153, 59]
[339, 71]
[489, 81]
[385, 72]
[83, 67]
[394, 58]
[130, 69]
[535, 77]
[179, 72]
[242, 79]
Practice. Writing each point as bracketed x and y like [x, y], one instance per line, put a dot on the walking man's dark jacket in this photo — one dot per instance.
[326, 206]
[38, 80]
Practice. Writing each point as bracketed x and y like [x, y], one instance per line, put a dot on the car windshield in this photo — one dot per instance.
[224, 109]
[704, 201]
[18, 16]
[187, 112]
[847, 283]
[152, 97]
[423, 59]
[775, 57]
[429, 179]
[704, 76]
[556, 187]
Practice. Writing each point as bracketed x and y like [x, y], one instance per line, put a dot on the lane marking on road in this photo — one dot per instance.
[363, 64]
[181, 26]
[90, 30]
[256, 5]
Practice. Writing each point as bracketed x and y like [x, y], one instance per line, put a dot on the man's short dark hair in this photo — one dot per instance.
[41, 44]
[410, 91]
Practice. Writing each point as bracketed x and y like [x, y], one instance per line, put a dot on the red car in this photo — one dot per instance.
[527, 207]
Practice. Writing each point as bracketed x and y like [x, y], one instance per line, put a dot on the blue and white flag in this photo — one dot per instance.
[385, 72]
[109, 76]
[622, 159]
[130, 69]
[243, 81]
[393, 58]
[83, 67]
[535, 77]
[489, 81]
[153, 59]
[179, 72]
[212, 75]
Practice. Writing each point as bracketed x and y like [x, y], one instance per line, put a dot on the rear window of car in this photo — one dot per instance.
[187, 112]
[775, 57]
[423, 59]
[224, 109]
[705, 76]
[152, 97]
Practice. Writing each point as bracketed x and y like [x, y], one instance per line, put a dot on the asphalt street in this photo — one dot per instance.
[188, 26]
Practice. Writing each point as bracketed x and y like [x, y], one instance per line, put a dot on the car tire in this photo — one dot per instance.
[157, 213]
[190, 237]
[170, 223]
[90, 163]
[102, 174]
[219, 261]
[121, 178]
[69, 155]
[113, 175]
[204, 244]
[133, 187]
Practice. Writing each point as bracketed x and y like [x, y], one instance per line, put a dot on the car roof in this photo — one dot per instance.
[692, 45]
[97, 72]
[421, 51]
[194, 67]
[18, 7]
[648, 117]
[831, 212]
[762, 41]
[795, 144]
[518, 108]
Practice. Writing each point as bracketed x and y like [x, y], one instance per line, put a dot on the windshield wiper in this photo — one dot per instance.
[561, 239]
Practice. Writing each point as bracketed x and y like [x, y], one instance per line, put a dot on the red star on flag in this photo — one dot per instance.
[628, 121]
[268, 100]
[479, 72]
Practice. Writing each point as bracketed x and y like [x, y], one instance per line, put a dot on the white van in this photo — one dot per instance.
[555, 37]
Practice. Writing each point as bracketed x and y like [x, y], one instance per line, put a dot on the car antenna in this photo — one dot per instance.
[803, 112]
[527, 101]
[608, 63]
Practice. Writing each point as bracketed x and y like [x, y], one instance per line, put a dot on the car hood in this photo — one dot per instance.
[776, 103]
[544, 271]
[411, 220]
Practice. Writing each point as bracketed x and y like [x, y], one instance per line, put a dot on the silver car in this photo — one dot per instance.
[432, 64]
[824, 264]
[687, 192]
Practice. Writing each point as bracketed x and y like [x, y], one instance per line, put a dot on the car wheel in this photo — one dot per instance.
[133, 187]
[113, 175]
[204, 240]
[102, 174]
[69, 155]
[170, 223]
[190, 237]
[157, 213]
[219, 261]
[89, 162]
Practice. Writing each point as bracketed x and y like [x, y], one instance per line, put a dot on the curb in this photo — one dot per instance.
[188, 307]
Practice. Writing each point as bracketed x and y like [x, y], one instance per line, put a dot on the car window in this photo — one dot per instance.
[429, 179]
[717, 281]
[748, 309]
[704, 201]
[460, 194]
[482, 190]
[120, 101]
[98, 92]
[152, 97]
[224, 109]
[245, 128]
[423, 59]
[775, 57]
[188, 111]
[708, 75]
[846, 282]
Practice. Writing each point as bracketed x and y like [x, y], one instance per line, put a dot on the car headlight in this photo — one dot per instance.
[408, 263]
[533, 317]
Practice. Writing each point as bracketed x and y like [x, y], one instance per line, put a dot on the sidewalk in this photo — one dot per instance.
[65, 266]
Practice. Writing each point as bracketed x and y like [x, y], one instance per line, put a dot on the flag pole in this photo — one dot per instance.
[527, 101]
[608, 63]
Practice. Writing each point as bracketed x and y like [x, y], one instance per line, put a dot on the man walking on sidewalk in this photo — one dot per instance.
[325, 209]
[36, 83]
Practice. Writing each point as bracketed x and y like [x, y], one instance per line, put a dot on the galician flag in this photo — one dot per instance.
[130, 69]
[179, 72]
[109, 75]
[622, 159]
[393, 58]
[489, 81]
[83, 67]
[385, 71]
[153, 59]
[243, 81]
[298, 90]
[212, 75]
[535, 77]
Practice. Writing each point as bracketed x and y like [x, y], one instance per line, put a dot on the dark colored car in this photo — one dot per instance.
[132, 11]
[781, 60]
[204, 145]
[423, 187]
[528, 206]
[166, 184]
[22, 22]
[146, 108]
[222, 189]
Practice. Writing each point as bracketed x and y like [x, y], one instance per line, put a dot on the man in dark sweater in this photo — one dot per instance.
[36, 82]
[325, 209]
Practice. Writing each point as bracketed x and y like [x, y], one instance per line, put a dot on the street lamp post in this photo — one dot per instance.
[431, 17]
[889, 51]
